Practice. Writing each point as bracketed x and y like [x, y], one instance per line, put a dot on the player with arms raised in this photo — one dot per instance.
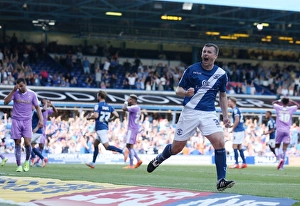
[284, 114]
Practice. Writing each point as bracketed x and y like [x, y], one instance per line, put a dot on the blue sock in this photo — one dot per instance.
[96, 151]
[236, 156]
[165, 154]
[242, 156]
[115, 149]
[221, 166]
[37, 152]
[32, 154]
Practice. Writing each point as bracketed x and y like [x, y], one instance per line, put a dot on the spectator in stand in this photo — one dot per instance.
[11, 80]
[63, 82]
[131, 79]
[98, 76]
[86, 66]
[44, 75]
[148, 80]
[234, 76]
[148, 86]
[138, 85]
[291, 90]
[106, 65]
[103, 85]
[140, 73]
[162, 83]
[37, 80]
[106, 77]
[74, 82]
[55, 81]
[79, 57]
[67, 83]
[96, 64]
[284, 90]
[113, 81]
[252, 89]
[5, 81]
[231, 90]
[89, 81]
[296, 85]
[68, 76]
[125, 84]
[176, 77]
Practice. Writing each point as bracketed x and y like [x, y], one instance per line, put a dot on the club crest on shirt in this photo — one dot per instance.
[216, 76]
[204, 83]
[179, 131]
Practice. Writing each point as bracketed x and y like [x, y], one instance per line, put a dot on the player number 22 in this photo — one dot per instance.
[104, 116]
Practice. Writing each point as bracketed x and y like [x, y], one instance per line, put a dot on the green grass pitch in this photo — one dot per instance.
[255, 180]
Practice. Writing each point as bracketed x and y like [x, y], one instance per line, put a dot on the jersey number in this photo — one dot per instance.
[104, 116]
[284, 117]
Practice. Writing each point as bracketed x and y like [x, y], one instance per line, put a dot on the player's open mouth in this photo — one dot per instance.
[205, 59]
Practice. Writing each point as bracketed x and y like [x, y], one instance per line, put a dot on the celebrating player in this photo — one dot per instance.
[199, 86]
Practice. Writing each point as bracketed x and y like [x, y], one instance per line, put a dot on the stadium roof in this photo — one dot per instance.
[152, 20]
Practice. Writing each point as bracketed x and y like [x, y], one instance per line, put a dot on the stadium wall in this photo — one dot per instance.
[71, 97]
[110, 158]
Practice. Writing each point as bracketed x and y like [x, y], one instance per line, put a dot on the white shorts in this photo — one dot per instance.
[238, 137]
[36, 137]
[102, 136]
[190, 119]
[272, 143]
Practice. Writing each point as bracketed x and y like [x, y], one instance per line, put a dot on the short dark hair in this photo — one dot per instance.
[212, 45]
[21, 80]
[285, 100]
[269, 112]
[102, 94]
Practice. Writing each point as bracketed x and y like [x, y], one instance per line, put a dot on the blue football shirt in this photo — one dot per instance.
[206, 84]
